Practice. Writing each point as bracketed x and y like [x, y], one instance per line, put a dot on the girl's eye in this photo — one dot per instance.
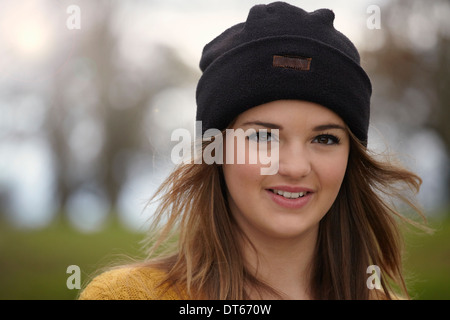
[261, 136]
[326, 139]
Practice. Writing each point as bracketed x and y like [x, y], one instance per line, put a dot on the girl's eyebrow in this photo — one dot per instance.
[328, 126]
[270, 125]
[263, 124]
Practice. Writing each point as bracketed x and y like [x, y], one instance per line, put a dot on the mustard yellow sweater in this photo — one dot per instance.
[130, 283]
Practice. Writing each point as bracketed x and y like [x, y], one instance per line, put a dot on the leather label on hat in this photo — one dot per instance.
[291, 62]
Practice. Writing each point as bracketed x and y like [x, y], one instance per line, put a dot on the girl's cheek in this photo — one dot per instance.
[333, 171]
[243, 153]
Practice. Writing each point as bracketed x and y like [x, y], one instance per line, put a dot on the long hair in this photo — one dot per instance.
[195, 238]
[363, 228]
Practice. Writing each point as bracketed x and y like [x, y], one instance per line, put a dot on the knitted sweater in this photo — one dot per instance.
[130, 283]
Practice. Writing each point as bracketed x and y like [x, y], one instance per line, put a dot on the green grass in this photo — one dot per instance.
[427, 262]
[33, 264]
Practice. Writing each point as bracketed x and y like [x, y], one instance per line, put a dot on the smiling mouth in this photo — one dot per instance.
[289, 195]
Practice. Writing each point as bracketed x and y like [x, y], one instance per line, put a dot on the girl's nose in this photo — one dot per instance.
[294, 161]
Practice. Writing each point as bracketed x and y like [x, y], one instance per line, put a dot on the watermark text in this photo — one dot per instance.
[74, 280]
[241, 147]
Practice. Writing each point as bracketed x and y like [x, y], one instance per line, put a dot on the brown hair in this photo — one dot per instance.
[362, 228]
[194, 236]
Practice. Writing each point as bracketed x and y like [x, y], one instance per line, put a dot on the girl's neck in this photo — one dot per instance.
[283, 264]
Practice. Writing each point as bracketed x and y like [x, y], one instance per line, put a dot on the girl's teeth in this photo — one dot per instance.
[289, 195]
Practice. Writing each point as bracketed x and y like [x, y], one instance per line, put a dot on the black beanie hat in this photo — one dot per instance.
[283, 52]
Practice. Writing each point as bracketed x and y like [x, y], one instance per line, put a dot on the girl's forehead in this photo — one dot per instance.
[289, 112]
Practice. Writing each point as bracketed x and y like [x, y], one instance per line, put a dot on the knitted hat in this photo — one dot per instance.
[282, 52]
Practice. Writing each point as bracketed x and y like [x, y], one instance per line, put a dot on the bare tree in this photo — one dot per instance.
[100, 88]
[411, 67]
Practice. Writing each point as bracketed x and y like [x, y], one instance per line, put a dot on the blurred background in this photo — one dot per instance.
[90, 92]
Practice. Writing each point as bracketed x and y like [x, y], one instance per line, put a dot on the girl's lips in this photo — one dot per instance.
[290, 203]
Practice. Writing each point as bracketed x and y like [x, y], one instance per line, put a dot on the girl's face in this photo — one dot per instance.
[313, 151]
